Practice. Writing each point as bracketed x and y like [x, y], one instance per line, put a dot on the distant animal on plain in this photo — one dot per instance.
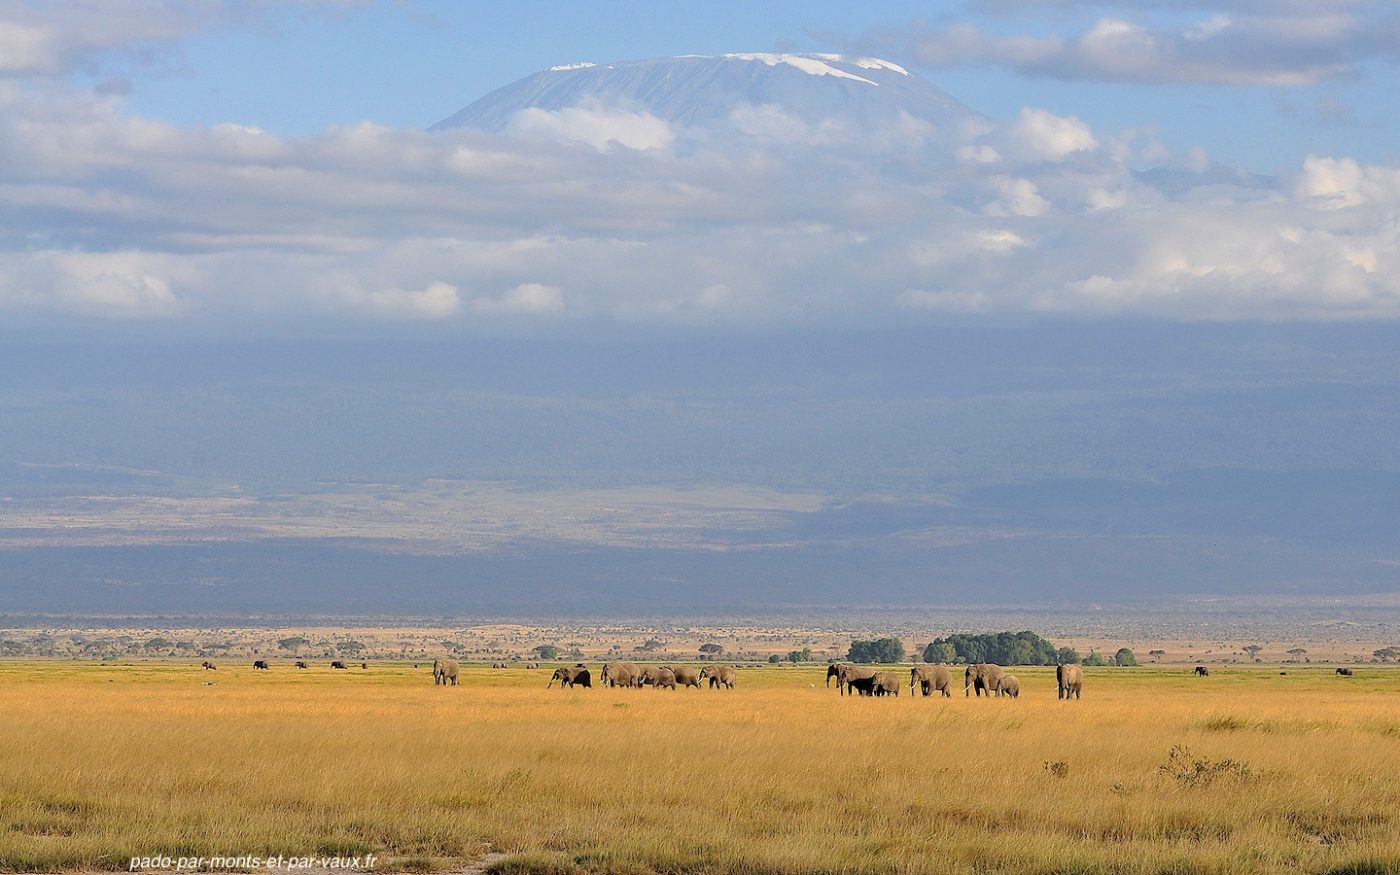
[1345, 672]
[1069, 680]
[301, 663]
[444, 671]
[983, 677]
[208, 666]
[337, 664]
[720, 676]
[930, 679]
[1201, 671]
[260, 663]
[1010, 686]
[364, 665]
[532, 665]
[577, 676]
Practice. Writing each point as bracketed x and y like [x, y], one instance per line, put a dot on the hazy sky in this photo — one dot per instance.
[236, 165]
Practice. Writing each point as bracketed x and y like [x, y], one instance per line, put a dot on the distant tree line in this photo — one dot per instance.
[1002, 648]
[883, 650]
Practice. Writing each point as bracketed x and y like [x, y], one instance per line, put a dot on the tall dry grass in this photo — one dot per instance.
[1153, 771]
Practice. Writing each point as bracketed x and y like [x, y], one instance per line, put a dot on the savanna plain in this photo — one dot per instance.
[1153, 771]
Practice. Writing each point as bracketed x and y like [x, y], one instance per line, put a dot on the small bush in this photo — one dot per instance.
[1190, 771]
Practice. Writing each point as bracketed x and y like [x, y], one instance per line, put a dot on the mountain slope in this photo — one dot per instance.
[695, 90]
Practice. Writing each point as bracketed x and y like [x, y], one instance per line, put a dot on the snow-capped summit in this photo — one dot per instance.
[692, 90]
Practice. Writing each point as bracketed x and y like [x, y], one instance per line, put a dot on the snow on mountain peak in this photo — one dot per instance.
[581, 65]
[815, 65]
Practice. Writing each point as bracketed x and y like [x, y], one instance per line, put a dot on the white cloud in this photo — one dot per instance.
[1019, 197]
[1053, 137]
[438, 301]
[526, 299]
[598, 126]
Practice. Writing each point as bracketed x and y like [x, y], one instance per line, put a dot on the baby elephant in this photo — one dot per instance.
[208, 666]
[659, 677]
[1010, 686]
[886, 683]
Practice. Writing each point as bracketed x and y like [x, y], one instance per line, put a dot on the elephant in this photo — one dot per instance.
[685, 676]
[1070, 680]
[364, 665]
[885, 683]
[863, 685]
[208, 666]
[260, 663]
[622, 674]
[444, 671]
[983, 677]
[1201, 671]
[1345, 672]
[532, 665]
[1010, 686]
[834, 671]
[658, 677]
[719, 676]
[301, 663]
[930, 679]
[575, 676]
[849, 674]
[337, 664]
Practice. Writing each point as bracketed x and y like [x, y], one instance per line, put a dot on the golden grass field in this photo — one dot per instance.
[1296, 773]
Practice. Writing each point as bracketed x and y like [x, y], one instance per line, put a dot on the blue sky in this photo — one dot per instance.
[219, 163]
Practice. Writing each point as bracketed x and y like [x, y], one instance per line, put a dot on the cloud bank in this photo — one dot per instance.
[1245, 42]
[601, 213]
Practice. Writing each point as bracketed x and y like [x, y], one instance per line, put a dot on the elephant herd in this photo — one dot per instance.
[981, 678]
[661, 677]
[263, 665]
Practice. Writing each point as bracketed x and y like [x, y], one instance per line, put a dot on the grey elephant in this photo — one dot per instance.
[855, 677]
[301, 663]
[719, 676]
[571, 676]
[444, 671]
[685, 675]
[983, 677]
[208, 666]
[834, 671]
[1345, 672]
[1201, 671]
[1070, 680]
[885, 683]
[621, 674]
[338, 663]
[658, 677]
[260, 663]
[1009, 686]
[930, 679]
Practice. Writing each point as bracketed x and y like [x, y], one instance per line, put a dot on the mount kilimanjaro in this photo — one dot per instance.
[697, 91]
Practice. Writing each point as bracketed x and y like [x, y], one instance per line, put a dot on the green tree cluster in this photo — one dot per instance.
[883, 650]
[1002, 648]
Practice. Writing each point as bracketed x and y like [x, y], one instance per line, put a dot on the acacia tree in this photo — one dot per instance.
[1253, 651]
[1156, 655]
